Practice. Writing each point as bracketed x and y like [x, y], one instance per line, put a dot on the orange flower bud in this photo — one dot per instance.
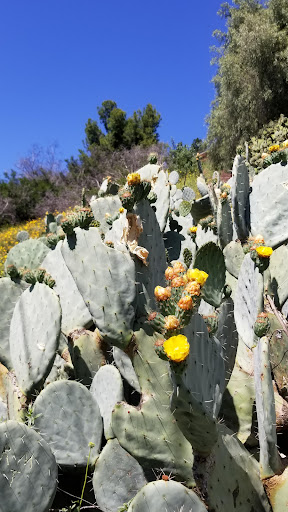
[186, 303]
[178, 267]
[259, 239]
[169, 273]
[193, 288]
[171, 322]
[162, 293]
[177, 281]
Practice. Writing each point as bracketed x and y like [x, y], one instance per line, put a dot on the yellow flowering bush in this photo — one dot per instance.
[177, 348]
[264, 252]
[194, 274]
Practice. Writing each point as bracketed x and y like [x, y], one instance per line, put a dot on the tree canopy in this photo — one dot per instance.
[118, 132]
[252, 74]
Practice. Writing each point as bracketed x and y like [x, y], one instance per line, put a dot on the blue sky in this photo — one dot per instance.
[60, 59]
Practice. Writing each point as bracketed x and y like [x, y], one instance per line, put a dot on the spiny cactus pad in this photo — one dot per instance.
[108, 290]
[28, 470]
[166, 495]
[68, 417]
[33, 343]
[117, 477]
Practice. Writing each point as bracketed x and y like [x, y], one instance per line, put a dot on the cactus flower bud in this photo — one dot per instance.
[193, 288]
[186, 303]
[178, 267]
[162, 293]
[177, 282]
[169, 273]
[171, 323]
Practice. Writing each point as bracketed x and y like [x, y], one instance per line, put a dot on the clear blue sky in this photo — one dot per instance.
[60, 59]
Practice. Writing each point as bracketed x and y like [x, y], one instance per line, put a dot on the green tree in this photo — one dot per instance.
[120, 133]
[252, 74]
[104, 112]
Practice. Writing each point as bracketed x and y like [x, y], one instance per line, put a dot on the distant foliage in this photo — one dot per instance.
[182, 157]
[120, 133]
[252, 74]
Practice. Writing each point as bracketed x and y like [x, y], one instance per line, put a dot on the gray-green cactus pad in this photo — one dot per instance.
[125, 367]
[198, 390]
[173, 243]
[269, 204]
[107, 389]
[233, 478]
[22, 236]
[279, 274]
[28, 470]
[201, 208]
[234, 256]
[102, 207]
[210, 259]
[202, 186]
[68, 417]
[105, 278]
[10, 291]
[149, 432]
[203, 236]
[224, 224]
[270, 463]
[173, 177]
[148, 277]
[279, 354]
[162, 190]
[240, 197]
[246, 300]
[87, 356]
[237, 404]
[149, 171]
[117, 477]
[74, 310]
[34, 335]
[28, 254]
[168, 496]
[227, 335]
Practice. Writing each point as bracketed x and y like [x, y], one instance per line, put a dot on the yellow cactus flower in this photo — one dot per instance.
[162, 293]
[133, 178]
[185, 303]
[264, 252]
[121, 210]
[171, 323]
[177, 348]
[193, 229]
[197, 275]
[274, 147]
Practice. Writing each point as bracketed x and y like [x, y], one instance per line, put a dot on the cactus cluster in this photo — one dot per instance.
[135, 339]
